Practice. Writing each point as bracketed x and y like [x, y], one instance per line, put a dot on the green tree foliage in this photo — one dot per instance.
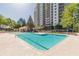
[2, 19]
[30, 24]
[76, 18]
[67, 16]
[13, 24]
[7, 21]
[70, 17]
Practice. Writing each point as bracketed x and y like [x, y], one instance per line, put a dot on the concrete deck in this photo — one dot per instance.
[10, 45]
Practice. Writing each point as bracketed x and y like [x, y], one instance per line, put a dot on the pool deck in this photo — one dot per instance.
[10, 45]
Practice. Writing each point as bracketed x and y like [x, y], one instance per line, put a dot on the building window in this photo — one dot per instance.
[55, 8]
[55, 17]
[55, 11]
[55, 20]
[55, 14]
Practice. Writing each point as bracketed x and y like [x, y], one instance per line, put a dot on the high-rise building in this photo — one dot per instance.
[57, 11]
[48, 14]
[36, 15]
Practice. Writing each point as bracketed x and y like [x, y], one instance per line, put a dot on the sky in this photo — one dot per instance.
[17, 10]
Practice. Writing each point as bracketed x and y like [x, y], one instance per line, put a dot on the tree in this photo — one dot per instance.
[76, 18]
[30, 24]
[1, 19]
[58, 26]
[21, 22]
[13, 24]
[70, 17]
[67, 19]
[7, 21]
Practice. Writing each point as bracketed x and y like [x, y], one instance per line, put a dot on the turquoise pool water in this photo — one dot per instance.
[42, 41]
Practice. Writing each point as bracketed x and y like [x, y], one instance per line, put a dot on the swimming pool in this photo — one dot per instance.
[42, 41]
